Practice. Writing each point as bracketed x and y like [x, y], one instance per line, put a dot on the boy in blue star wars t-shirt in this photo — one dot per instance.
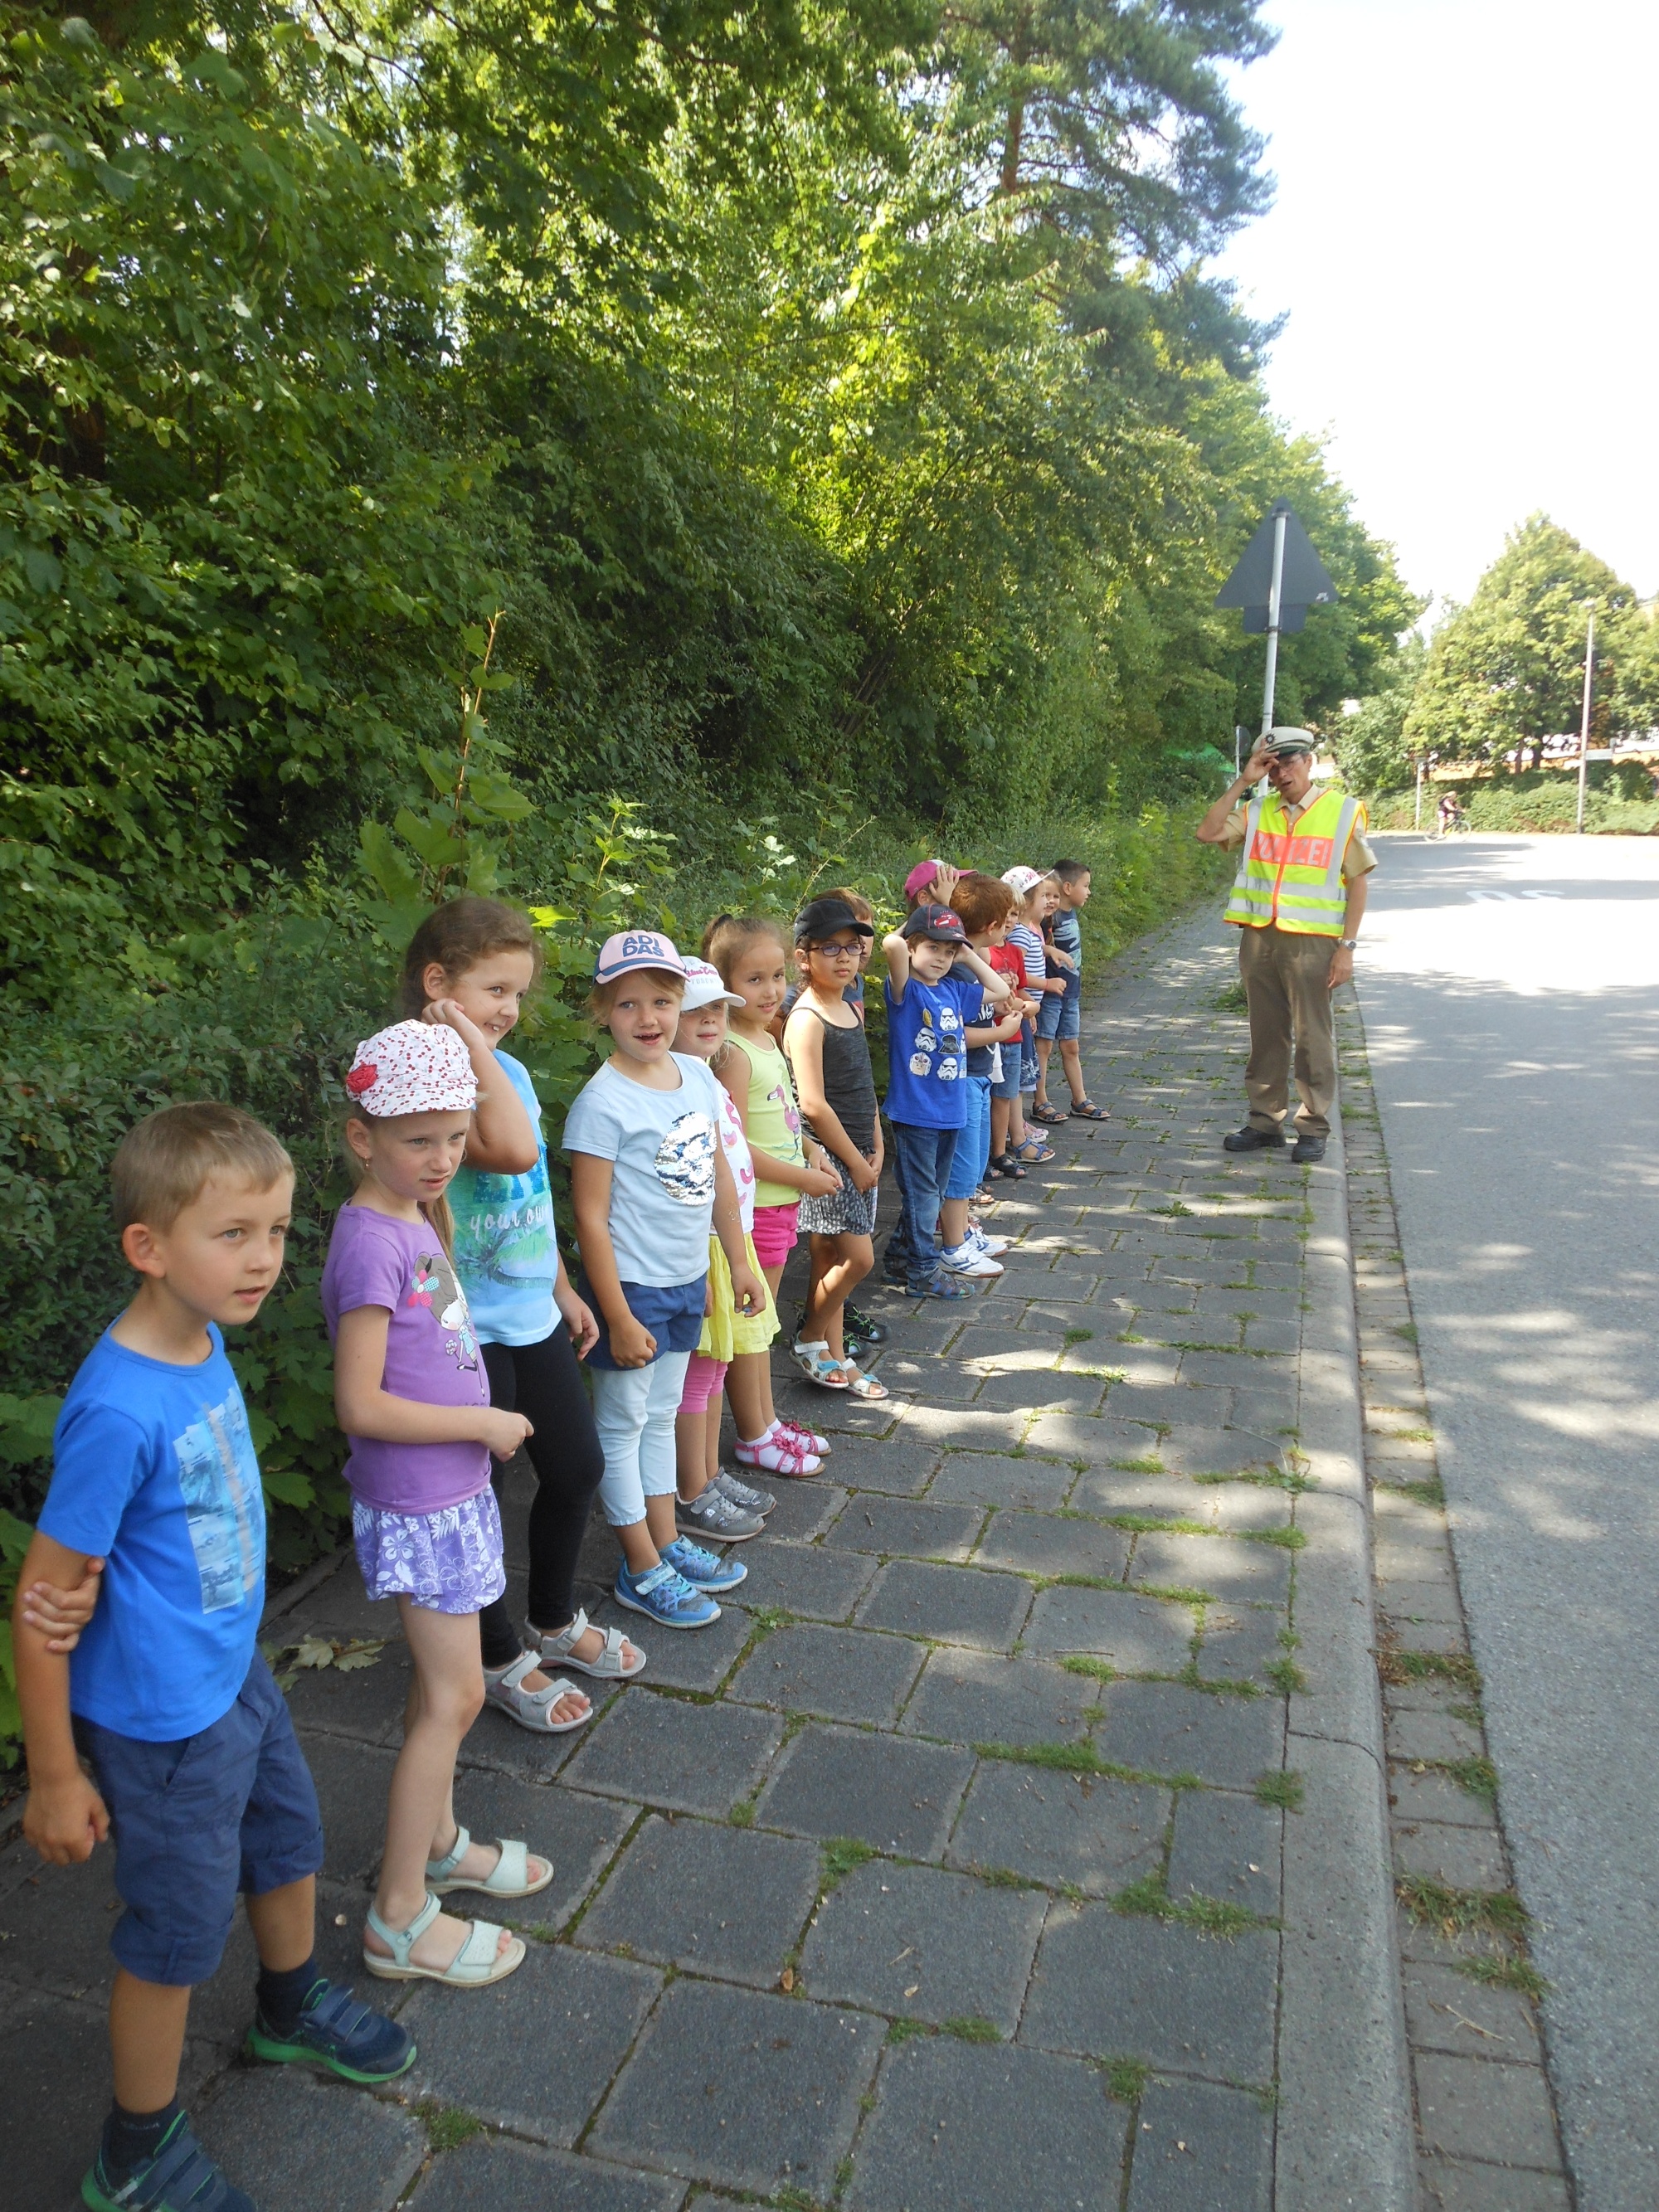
[195, 1769]
[937, 985]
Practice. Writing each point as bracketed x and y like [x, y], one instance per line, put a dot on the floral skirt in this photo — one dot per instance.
[449, 1561]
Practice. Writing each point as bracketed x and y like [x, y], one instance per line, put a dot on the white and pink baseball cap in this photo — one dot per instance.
[630, 950]
[413, 1067]
[704, 984]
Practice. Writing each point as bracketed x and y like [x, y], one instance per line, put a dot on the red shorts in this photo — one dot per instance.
[775, 1234]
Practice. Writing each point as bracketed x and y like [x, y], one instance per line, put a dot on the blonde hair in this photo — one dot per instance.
[856, 899]
[602, 996]
[163, 1162]
[724, 940]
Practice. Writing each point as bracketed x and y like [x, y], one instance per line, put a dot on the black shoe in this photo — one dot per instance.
[1307, 1150]
[860, 1325]
[1249, 1138]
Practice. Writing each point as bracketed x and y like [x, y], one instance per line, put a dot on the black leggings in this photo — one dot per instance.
[544, 1383]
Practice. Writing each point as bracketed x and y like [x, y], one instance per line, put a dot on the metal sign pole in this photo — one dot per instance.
[1585, 723]
[1417, 818]
[1274, 594]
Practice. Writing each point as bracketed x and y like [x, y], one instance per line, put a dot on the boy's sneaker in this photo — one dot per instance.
[967, 1259]
[712, 1515]
[665, 1595]
[855, 1323]
[703, 1568]
[992, 1247]
[180, 2177]
[334, 2029]
[942, 1286]
[740, 1493]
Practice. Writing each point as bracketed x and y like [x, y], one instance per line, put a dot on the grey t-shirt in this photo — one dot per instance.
[661, 1144]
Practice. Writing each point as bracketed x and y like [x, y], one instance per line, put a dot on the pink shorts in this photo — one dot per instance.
[703, 1380]
[775, 1234]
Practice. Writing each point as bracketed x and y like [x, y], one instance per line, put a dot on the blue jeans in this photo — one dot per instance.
[922, 1169]
[974, 1144]
[1062, 1018]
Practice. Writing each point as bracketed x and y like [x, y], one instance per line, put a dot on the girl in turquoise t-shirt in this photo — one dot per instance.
[470, 965]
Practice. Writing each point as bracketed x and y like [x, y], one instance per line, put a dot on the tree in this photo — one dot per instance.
[1370, 744]
[1506, 671]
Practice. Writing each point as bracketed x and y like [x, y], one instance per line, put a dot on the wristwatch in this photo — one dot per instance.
[1346, 944]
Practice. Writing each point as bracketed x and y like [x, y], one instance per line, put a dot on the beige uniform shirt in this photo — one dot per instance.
[1358, 860]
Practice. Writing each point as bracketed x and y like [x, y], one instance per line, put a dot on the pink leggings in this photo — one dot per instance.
[703, 1379]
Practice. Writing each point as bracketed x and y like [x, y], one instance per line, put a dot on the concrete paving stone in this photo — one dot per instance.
[1270, 1333]
[1109, 1984]
[1217, 1451]
[1420, 1599]
[803, 1509]
[1053, 1544]
[1449, 2184]
[676, 1658]
[1142, 1489]
[534, 2053]
[1135, 1635]
[805, 1579]
[836, 1414]
[1163, 1728]
[1171, 1405]
[900, 1465]
[1154, 1298]
[1227, 1846]
[1097, 1439]
[840, 1673]
[1442, 1635]
[1199, 2148]
[366, 1705]
[1240, 1505]
[299, 2143]
[962, 1428]
[947, 1605]
[579, 1834]
[1434, 1797]
[1269, 1412]
[495, 1744]
[748, 2092]
[1472, 2108]
[54, 2060]
[1142, 1366]
[707, 1898]
[1096, 1835]
[1239, 1645]
[890, 1792]
[994, 1479]
[888, 1525]
[931, 1377]
[1429, 1736]
[1463, 1857]
[1448, 2011]
[1001, 1349]
[958, 2126]
[339, 1608]
[1230, 1567]
[489, 2175]
[669, 1752]
[922, 1944]
[977, 1696]
[1065, 1391]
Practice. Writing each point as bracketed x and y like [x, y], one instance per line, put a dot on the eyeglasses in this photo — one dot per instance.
[835, 951]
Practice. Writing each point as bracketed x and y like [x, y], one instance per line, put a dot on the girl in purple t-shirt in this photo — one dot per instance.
[411, 1395]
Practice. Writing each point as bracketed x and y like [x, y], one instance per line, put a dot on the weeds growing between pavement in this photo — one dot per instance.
[1517, 1974]
[1398, 1668]
[1455, 1911]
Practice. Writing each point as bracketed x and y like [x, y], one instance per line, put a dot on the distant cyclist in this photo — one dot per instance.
[1451, 813]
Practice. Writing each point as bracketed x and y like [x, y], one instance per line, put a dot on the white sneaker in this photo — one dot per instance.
[992, 1247]
[967, 1259]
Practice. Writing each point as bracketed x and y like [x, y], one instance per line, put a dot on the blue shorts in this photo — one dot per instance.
[672, 1313]
[1006, 1085]
[194, 1821]
[1062, 1016]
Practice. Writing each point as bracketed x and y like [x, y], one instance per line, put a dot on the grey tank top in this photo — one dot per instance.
[849, 1087]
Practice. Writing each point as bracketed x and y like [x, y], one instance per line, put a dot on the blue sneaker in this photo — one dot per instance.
[180, 2177]
[334, 2031]
[706, 1569]
[667, 1597]
[940, 1287]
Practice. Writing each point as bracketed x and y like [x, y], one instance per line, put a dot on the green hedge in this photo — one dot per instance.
[1621, 802]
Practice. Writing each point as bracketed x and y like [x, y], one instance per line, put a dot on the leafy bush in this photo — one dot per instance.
[1620, 802]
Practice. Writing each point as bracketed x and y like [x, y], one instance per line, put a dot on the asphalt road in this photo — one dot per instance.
[1510, 991]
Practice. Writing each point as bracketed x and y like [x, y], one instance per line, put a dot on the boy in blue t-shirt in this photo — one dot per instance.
[1060, 1016]
[195, 1769]
[937, 986]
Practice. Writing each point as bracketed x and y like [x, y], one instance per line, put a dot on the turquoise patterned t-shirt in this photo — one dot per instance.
[504, 1250]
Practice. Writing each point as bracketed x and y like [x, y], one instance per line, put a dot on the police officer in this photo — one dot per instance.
[1297, 902]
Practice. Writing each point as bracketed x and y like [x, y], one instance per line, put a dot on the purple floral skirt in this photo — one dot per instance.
[449, 1561]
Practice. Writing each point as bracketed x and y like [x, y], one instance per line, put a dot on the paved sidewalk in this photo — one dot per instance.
[950, 1869]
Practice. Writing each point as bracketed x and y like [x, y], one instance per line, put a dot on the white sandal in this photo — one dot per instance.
[508, 1877]
[557, 1652]
[532, 1709]
[815, 1363]
[479, 1962]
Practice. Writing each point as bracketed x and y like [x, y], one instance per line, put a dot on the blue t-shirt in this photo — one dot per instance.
[1066, 933]
[927, 1055]
[154, 1470]
[505, 1252]
[662, 1145]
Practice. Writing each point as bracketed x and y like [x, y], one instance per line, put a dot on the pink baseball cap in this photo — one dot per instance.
[413, 1067]
[920, 876]
[704, 984]
[630, 950]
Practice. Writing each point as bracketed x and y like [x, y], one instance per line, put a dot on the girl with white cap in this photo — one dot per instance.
[411, 1395]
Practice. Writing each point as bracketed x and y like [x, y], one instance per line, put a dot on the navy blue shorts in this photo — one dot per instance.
[1063, 1016]
[196, 1821]
[673, 1315]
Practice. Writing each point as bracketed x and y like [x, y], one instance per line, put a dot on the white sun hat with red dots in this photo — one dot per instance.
[413, 1067]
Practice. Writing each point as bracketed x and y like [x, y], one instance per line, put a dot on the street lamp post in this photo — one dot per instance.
[1584, 720]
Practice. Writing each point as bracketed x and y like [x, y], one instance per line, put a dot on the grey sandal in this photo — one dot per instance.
[479, 1962]
[508, 1877]
[532, 1709]
[557, 1652]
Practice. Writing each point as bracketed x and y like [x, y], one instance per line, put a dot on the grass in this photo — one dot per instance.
[447, 2126]
[1079, 1759]
[1211, 1915]
[1097, 1669]
[1455, 1911]
[1405, 1331]
[1478, 1775]
[742, 1815]
[841, 1855]
[1519, 1974]
[1174, 1210]
[973, 2030]
[1398, 1668]
[1149, 1463]
[1428, 1491]
[1288, 1540]
[1286, 1677]
[1079, 1335]
[1126, 2078]
[902, 2030]
[1282, 1788]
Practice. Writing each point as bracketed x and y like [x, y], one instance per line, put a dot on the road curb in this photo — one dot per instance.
[1345, 2139]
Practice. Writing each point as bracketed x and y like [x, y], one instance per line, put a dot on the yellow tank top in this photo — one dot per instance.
[773, 1118]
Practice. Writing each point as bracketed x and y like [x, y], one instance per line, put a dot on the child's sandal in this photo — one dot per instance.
[558, 1652]
[815, 1363]
[1034, 1153]
[479, 1962]
[861, 1385]
[532, 1709]
[508, 1877]
[1087, 1110]
[1050, 1116]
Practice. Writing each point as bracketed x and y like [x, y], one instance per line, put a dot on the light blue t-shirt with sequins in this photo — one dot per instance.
[662, 1145]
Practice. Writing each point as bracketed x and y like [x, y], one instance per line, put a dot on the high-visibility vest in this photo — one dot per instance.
[1291, 877]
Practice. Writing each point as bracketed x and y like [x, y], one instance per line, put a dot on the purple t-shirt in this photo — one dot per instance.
[431, 1356]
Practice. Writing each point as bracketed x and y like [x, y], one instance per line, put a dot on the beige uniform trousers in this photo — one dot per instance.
[1284, 976]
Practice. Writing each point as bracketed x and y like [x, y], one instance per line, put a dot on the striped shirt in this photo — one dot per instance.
[1027, 940]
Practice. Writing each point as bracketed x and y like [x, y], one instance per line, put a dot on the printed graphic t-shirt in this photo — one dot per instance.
[739, 1159]
[926, 1054]
[154, 1472]
[662, 1187]
[505, 1252]
[431, 1356]
[1067, 934]
[774, 1117]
